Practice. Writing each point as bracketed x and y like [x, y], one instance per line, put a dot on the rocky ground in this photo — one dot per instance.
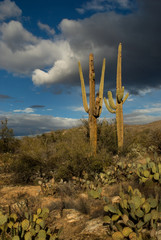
[80, 216]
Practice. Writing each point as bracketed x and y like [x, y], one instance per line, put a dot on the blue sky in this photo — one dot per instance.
[41, 43]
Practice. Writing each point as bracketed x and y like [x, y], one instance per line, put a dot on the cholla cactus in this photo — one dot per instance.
[95, 105]
[117, 108]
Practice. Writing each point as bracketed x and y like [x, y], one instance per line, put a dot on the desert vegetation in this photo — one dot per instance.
[120, 188]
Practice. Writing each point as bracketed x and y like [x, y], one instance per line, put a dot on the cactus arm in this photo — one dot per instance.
[120, 94]
[118, 81]
[83, 89]
[102, 85]
[108, 107]
[126, 96]
[111, 101]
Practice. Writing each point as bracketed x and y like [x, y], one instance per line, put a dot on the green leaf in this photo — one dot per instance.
[107, 219]
[146, 206]
[153, 202]
[117, 236]
[147, 217]
[140, 224]
[25, 224]
[115, 217]
[146, 173]
[126, 231]
[156, 176]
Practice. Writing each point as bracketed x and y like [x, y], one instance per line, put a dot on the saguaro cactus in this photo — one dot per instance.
[95, 105]
[117, 108]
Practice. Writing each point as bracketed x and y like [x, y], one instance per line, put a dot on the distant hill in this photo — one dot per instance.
[151, 126]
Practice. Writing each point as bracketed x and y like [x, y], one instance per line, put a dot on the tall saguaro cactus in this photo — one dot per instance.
[95, 105]
[117, 108]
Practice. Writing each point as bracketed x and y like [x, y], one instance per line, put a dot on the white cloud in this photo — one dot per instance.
[104, 5]
[61, 69]
[16, 37]
[144, 115]
[46, 28]
[149, 110]
[30, 124]
[145, 91]
[26, 110]
[77, 109]
[9, 9]
[21, 52]
[129, 99]
[140, 118]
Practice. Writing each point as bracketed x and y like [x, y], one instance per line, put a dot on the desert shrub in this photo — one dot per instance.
[72, 156]
[154, 142]
[7, 161]
[7, 141]
[32, 160]
[107, 136]
[147, 140]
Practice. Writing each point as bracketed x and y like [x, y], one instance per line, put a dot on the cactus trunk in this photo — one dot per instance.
[120, 99]
[92, 119]
[119, 111]
[95, 105]
[119, 122]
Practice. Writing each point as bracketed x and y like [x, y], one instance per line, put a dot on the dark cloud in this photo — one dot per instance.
[4, 97]
[37, 106]
[140, 35]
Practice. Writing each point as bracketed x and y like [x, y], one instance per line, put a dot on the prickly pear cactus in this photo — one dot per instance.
[133, 217]
[149, 171]
[32, 227]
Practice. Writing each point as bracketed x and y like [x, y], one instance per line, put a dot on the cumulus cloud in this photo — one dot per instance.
[9, 9]
[46, 28]
[22, 52]
[26, 110]
[25, 124]
[16, 37]
[61, 69]
[55, 61]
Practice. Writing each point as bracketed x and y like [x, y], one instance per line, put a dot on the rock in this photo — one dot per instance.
[94, 227]
[72, 215]
[116, 199]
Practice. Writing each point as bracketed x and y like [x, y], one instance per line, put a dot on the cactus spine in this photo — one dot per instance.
[95, 105]
[117, 108]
